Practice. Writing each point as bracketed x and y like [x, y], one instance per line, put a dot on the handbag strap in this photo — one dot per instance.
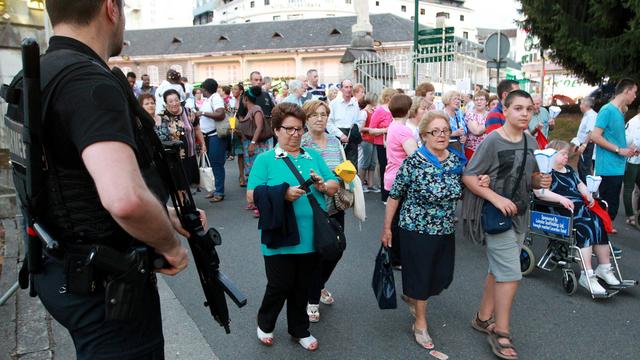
[296, 173]
[524, 161]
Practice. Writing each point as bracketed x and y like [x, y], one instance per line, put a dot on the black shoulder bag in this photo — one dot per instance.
[328, 236]
[492, 219]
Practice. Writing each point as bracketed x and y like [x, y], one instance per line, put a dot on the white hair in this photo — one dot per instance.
[295, 85]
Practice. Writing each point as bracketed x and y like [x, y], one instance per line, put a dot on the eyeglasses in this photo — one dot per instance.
[290, 130]
[438, 132]
[317, 116]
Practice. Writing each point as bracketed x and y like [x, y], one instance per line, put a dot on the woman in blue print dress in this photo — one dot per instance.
[568, 190]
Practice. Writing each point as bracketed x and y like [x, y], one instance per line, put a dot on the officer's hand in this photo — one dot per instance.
[175, 221]
[177, 258]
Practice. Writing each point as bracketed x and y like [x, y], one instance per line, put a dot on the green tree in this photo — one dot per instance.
[593, 38]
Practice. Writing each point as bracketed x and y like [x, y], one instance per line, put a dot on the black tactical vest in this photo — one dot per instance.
[68, 202]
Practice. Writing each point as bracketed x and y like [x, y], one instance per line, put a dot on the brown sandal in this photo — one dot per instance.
[217, 198]
[482, 325]
[497, 347]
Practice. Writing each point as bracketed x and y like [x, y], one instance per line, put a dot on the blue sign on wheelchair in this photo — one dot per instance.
[550, 223]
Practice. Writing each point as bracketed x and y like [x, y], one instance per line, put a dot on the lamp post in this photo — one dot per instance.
[416, 28]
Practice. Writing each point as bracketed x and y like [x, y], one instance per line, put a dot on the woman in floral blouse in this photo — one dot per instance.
[178, 124]
[429, 183]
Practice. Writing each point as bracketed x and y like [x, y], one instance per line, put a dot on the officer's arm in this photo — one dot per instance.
[125, 196]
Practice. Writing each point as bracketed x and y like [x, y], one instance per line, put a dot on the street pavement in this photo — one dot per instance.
[546, 322]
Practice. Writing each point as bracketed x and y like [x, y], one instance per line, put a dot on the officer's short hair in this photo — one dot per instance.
[131, 74]
[79, 12]
[625, 84]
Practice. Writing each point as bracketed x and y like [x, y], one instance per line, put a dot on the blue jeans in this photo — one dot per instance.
[216, 151]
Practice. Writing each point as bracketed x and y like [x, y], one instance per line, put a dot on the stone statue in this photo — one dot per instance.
[361, 31]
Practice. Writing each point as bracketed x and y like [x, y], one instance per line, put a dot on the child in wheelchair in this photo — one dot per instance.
[568, 190]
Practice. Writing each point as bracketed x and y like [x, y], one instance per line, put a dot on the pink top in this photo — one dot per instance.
[380, 119]
[396, 136]
[478, 119]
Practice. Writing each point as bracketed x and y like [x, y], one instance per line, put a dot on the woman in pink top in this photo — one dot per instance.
[400, 144]
[400, 140]
[475, 122]
[380, 120]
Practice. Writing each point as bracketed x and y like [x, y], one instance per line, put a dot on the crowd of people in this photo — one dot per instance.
[427, 156]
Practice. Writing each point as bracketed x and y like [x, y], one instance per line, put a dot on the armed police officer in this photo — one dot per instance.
[102, 195]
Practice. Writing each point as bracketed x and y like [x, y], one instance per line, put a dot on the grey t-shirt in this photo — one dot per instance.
[501, 160]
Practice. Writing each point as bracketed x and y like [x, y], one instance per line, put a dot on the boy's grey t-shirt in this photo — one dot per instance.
[501, 160]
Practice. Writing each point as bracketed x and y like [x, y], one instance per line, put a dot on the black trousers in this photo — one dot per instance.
[84, 317]
[609, 190]
[382, 162]
[288, 278]
[324, 269]
[585, 163]
[351, 149]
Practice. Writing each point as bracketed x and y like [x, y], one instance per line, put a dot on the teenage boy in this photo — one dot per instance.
[500, 156]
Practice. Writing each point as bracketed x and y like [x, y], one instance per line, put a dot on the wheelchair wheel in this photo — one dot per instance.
[527, 260]
[569, 282]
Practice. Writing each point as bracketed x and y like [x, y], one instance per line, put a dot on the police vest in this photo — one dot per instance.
[68, 202]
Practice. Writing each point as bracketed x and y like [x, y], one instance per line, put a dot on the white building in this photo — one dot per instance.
[240, 11]
[146, 14]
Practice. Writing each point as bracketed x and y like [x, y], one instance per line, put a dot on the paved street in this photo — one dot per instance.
[547, 324]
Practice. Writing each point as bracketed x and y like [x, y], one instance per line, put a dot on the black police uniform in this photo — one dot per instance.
[90, 106]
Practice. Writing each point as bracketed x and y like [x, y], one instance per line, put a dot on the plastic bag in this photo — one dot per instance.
[383, 283]
[206, 173]
[359, 210]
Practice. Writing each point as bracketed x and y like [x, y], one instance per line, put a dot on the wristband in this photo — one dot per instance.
[253, 142]
[617, 150]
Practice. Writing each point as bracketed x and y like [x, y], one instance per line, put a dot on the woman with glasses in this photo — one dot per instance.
[329, 148]
[289, 265]
[429, 182]
[475, 122]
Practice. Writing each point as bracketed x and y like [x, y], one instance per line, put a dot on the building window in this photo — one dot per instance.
[403, 8]
[154, 74]
[377, 3]
[347, 1]
[252, 4]
[465, 34]
[276, 17]
[423, 12]
[267, 2]
[461, 17]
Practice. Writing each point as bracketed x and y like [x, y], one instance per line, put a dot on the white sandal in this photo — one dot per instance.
[309, 343]
[265, 338]
[326, 297]
[423, 338]
[313, 311]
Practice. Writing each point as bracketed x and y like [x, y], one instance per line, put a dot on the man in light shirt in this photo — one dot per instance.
[345, 114]
[583, 138]
[541, 119]
[212, 110]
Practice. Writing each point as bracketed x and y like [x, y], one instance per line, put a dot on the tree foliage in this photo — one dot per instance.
[593, 38]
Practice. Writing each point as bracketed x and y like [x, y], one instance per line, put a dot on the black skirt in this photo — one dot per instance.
[427, 263]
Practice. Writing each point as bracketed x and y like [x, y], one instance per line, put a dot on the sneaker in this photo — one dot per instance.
[374, 189]
[605, 272]
[596, 288]
[616, 251]
[365, 189]
[313, 311]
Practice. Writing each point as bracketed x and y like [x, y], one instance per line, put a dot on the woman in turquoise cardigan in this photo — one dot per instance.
[289, 268]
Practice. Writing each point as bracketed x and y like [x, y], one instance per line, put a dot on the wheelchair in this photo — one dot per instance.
[562, 251]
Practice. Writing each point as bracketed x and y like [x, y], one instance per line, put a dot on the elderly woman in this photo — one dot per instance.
[332, 93]
[148, 103]
[451, 101]
[289, 265]
[177, 123]
[329, 148]
[429, 181]
[296, 90]
[380, 120]
[475, 122]
[416, 113]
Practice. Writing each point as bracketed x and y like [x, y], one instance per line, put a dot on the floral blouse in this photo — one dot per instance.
[178, 128]
[430, 194]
